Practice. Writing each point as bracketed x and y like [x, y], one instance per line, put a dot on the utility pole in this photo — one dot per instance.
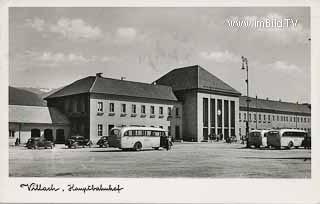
[246, 67]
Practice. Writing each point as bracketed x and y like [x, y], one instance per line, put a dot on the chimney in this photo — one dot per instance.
[99, 74]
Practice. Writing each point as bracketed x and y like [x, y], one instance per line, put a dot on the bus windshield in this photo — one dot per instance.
[115, 132]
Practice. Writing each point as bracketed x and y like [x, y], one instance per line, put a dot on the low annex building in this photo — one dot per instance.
[270, 114]
[29, 117]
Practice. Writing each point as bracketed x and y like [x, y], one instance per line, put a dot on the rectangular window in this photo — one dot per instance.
[152, 110]
[205, 112]
[177, 112]
[245, 116]
[259, 116]
[240, 116]
[160, 110]
[255, 116]
[100, 106]
[233, 115]
[249, 116]
[264, 117]
[212, 115]
[277, 118]
[269, 117]
[134, 108]
[100, 129]
[111, 107]
[143, 109]
[273, 117]
[169, 111]
[123, 108]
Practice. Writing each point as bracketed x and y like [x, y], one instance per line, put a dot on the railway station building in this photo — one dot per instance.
[190, 103]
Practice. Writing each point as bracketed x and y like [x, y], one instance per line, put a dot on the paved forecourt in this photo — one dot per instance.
[215, 160]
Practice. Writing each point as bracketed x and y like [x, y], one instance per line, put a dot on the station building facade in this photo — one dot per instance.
[270, 114]
[96, 104]
[209, 104]
[189, 102]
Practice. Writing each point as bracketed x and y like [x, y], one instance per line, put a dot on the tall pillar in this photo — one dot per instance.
[222, 117]
[209, 115]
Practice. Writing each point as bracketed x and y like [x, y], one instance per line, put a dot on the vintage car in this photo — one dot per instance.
[37, 142]
[103, 142]
[76, 141]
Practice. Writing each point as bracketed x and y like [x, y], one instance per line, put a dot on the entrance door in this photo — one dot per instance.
[35, 132]
[177, 132]
[48, 135]
[109, 129]
[60, 139]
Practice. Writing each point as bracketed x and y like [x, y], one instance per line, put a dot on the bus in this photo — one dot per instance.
[258, 138]
[137, 138]
[288, 138]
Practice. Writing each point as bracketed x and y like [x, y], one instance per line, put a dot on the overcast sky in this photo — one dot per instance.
[52, 47]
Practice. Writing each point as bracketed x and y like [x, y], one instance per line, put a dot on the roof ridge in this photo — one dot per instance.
[137, 82]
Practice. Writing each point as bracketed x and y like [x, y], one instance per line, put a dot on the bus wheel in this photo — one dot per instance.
[137, 146]
[290, 145]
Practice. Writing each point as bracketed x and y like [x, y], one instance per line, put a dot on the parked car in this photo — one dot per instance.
[103, 142]
[76, 141]
[37, 142]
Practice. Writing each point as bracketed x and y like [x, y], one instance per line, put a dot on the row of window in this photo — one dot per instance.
[281, 118]
[123, 109]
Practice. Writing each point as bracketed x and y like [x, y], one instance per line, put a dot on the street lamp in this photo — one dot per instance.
[246, 67]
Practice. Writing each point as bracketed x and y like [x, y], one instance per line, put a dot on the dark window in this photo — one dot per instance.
[226, 113]
[152, 110]
[233, 109]
[111, 107]
[134, 108]
[100, 127]
[213, 114]
[109, 128]
[123, 108]
[160, 110]
[219, 113]
[100, 106]
[169, 111]
[205, 112]
[35, 132]
[177, 112]
[143, 109]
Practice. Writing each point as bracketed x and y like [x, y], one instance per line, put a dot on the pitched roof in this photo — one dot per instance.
[104, 85]
[36, 114]
[274, 105]
[195, 77]
[19, 96]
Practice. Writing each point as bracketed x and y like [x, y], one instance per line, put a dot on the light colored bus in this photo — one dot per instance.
[286, 138]
[136, 138]
[258, 138]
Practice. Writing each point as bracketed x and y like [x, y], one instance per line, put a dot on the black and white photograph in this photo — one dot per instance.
[138, 92]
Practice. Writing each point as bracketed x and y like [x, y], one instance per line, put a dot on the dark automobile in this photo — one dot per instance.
[76, 141]
[103, 142]
[37, 142]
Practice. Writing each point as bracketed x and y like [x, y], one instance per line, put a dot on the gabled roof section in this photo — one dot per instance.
[130, 88]
[102, 85]
[19, 96]
[195, 77]
[78, 87]
[274, 105]
[36, 114]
